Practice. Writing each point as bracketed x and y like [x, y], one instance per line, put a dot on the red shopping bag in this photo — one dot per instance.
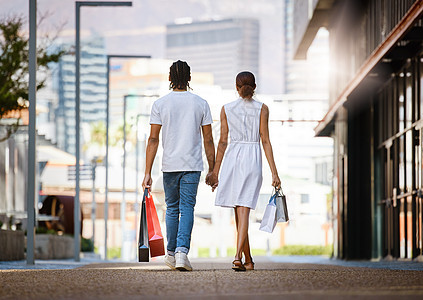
[155, 236]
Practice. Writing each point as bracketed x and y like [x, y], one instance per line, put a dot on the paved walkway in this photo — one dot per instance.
[274, 277]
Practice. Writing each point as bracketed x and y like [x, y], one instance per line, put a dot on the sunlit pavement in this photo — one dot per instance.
[283, 277]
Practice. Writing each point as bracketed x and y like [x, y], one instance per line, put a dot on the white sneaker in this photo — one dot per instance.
[170, 261]
[182, 262]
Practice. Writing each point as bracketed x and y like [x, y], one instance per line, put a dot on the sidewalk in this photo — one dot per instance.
[320, 260]
[287, 277]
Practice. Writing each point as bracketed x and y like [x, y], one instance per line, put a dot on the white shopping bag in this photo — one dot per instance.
[268, 222]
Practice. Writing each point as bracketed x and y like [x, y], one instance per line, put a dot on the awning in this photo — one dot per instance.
[387, 52]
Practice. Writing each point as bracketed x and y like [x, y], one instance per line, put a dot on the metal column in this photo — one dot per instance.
[77, 217]
[123, 204]
[32, 131]
[106, 195]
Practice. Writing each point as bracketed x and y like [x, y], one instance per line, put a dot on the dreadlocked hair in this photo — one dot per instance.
[180, 74]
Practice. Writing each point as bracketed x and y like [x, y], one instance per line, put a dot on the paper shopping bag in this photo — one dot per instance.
[155, 236]
[281, 208]
[269, 221]
[143, 250]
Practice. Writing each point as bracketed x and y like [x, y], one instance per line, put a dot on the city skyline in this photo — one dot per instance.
[142, 29]
[222, 47]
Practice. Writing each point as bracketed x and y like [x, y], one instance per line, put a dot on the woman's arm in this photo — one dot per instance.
[267, 146]
[223, 143]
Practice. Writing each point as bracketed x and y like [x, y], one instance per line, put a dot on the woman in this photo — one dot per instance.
[246, 120]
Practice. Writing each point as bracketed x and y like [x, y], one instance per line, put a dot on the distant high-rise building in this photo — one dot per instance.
[222, 47]
[92, 94]
[308, 76]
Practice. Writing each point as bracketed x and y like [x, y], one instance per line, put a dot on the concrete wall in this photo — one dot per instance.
[49, 246]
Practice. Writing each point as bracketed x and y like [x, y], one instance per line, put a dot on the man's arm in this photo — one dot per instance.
[208, 145]
[209, 148]
[153, 144]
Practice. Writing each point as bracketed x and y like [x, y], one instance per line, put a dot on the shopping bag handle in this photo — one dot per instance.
[273, 198]
[146, 192]
[278, 191]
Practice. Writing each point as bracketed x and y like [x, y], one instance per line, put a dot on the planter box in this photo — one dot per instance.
[12, 245]
[49, 246]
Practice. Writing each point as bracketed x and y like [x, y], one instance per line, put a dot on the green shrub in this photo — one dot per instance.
[113, 253]
[254, 252]
[303, 250]
[44, 230]
[258, 252]
[286, 250]
[87, 245]
[205, 252]
[230, 252]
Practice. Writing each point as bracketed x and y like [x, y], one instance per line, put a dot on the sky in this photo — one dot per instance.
[141, 29]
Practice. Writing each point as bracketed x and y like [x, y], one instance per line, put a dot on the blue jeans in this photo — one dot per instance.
[180, 195]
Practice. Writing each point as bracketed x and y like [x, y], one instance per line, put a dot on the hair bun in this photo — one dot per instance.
[246, 84]
[246, 91]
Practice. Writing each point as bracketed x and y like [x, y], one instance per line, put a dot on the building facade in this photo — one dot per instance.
[222, 47]
[376, 121]
[92, 91]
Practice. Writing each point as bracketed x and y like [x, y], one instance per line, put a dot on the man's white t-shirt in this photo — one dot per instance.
[181, 115]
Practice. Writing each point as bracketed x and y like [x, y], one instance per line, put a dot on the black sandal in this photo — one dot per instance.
[238, 266]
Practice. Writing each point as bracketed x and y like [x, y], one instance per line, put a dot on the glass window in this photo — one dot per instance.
[401, 165]
[398, 108]
[408, 98]
[395, 105]
[401, 108]
[390, 95]
[380, 106]
[421, 86]
[409, 160]
[402, 223]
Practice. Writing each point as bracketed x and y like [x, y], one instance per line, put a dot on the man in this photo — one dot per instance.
[182, 115]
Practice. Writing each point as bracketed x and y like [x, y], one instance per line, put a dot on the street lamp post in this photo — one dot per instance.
[77, 217]
[31, 132]
[106, 195]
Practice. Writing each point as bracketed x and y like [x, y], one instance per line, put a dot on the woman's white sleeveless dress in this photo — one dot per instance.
[241, 172]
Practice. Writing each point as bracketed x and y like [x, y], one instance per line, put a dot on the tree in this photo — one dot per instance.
[14, 68]
[98, 133]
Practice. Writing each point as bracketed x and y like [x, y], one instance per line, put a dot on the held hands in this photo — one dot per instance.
[212, 180]
[276, 182]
